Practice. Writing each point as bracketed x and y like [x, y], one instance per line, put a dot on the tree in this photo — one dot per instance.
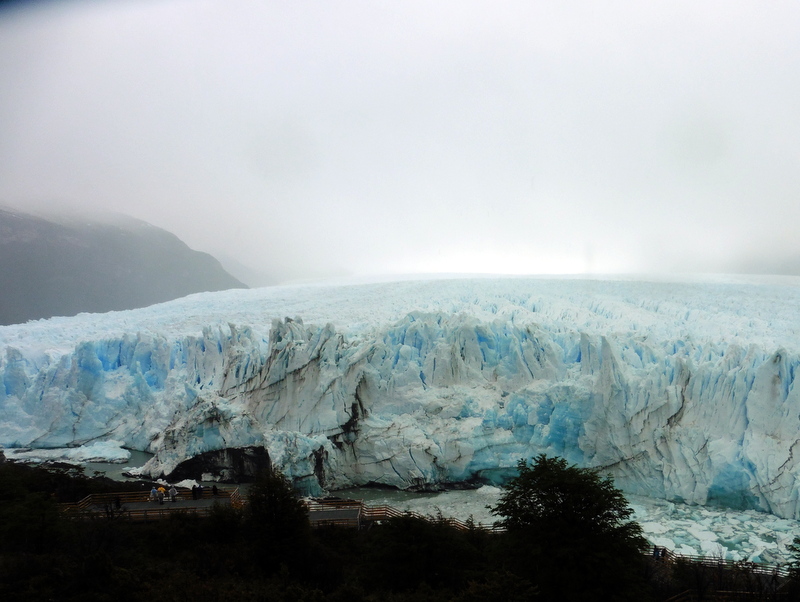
[277, 520]
[406, 551]
[274, 507]
[794, 569]
[569, 531]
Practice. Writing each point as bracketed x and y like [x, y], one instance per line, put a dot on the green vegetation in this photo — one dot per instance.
[569, 537]
[569, 531]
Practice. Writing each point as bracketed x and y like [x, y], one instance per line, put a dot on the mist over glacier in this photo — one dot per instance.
[680, 390]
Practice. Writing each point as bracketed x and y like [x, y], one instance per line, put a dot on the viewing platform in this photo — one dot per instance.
[139, 506]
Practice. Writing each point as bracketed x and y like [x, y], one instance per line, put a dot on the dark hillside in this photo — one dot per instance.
[65, 267]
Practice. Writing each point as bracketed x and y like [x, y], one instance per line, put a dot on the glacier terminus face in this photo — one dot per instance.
[681, 390]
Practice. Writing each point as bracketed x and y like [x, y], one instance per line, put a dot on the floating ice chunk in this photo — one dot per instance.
[654, 529]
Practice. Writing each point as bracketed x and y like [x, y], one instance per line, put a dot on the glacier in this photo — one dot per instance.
[680, 389]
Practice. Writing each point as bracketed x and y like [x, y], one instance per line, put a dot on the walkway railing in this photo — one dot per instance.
[124, 504]
[691, 595]
[724, 563]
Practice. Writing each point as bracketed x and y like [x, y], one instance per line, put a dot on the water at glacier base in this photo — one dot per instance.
[684, 529]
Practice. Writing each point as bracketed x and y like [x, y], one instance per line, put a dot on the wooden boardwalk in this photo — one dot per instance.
[138, 506]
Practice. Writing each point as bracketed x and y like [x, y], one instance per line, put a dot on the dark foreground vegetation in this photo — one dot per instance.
[568, 538]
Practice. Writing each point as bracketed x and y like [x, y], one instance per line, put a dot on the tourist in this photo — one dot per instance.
[173, 494]
[153, 494]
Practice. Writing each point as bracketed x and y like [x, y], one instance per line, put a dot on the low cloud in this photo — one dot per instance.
[302, 140]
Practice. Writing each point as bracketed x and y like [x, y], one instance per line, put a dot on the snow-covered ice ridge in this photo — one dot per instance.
[681, 390]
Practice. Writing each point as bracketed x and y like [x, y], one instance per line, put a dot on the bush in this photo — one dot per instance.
[407, 551]
[277, 522]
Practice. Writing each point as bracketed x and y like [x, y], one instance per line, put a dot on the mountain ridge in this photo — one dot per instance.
[65, 265]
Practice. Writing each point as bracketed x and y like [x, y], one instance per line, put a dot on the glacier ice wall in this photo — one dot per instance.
[680, 390]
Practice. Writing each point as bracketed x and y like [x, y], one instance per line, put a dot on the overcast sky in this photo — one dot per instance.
[313, 138]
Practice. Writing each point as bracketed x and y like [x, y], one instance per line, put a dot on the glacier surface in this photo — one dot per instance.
[681, 390]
